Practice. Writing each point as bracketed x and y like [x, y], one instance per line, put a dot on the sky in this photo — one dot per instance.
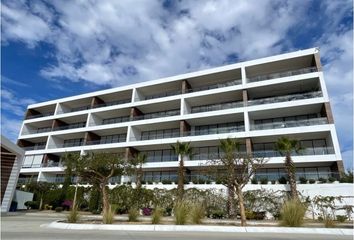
[54, 49]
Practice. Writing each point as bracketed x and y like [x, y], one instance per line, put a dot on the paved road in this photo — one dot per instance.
[28, 227]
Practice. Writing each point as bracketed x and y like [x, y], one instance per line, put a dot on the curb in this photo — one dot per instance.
[194, 228]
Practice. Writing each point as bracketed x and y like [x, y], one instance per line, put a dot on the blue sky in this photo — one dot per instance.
[53, 49]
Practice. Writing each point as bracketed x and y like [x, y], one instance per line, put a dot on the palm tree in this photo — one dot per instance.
[286, 146]
[182, 150]
[138, 161]
[230, 147]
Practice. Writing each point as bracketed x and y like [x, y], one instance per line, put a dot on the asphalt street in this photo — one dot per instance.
[28, 227]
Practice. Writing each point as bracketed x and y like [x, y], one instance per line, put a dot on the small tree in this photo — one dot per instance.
[286, 146]
[40, 188]
[97, 169]
[239, 169]
[182, 150]
[138, 161]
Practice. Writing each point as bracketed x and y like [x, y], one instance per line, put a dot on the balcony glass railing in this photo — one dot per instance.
[308, 175]
[112, 103]
[214, 86]
[34, 131]
[35, 147]
[282, 74]
[285, 98]
[216, 107]
[70, 126]
[214, 131]
[302, 152]
[99, 142]
[115, 120]
[40, 115]
[289, 124]
[164, 94]
[156, 115]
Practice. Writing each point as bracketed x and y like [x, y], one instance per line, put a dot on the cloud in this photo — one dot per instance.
[12, 104]
[112, 43]
[10, 127]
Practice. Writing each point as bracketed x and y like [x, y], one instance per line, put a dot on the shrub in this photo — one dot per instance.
[133, 215]
[282, 180]
[168, 211]
[273, 181]
[329, 223]
[341, 218]
[322, 180]
[32, 204]
[147, 211]
[67, 204]
[254, 181]
[166, 181]
[312, 181]
[94, 200]
[156, 216]
[264, 180]
[292, 213]
[249, 214]
[181, 211]
[303, 180]
[320, 218]
[217, 214]
[197, 213]
[73, 215]
[331, 179]
[58, 209]
[108, 217]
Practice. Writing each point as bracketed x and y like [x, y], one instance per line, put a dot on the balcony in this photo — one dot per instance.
[220, 130]
[285, 98]
[70, 126]
[35, 147]
[109, 139]
[282, 74]
[314, 175]
[35, 131]
[115, 120]
[289, 124]
[112, 103]
[302, 152]
[164, 94]
[44, 165]
[216, 107]
[40, 115]
[157, 115]
[215, 86]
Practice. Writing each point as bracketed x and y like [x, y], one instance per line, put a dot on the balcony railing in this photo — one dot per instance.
[40, 115]
[156, 115]
[308, 175]
[285, 98]
[216, 107]
[215, 86]
[39, 130]
[70, 126]
[302, 152]
[289, 124]
[214, 131]
[164, 94]
[112, 103]
[282, 74]
[115, 120]
[35, 147]
[99, 142]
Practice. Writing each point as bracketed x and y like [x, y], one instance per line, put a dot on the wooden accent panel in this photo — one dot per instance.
[24, 143]
[244, 97]
[58, 123]
[249, 146]
[7, 162]
[130, 152]
[185, 86]
[327, 109]
[90, 136]
[31, 112]
[184, 127]
[135, 112]
[96, 101]
[317, 61]
[338, 167]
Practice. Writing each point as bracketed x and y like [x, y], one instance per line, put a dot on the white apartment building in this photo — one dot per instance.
[256, 102]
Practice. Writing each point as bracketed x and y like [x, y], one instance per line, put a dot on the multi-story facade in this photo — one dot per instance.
[256, 102]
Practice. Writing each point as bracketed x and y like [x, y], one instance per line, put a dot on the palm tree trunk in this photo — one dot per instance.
[105, 200]
[180, 187]
[231, 211]
[290, 168]
[139, 177]
[242, 206]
